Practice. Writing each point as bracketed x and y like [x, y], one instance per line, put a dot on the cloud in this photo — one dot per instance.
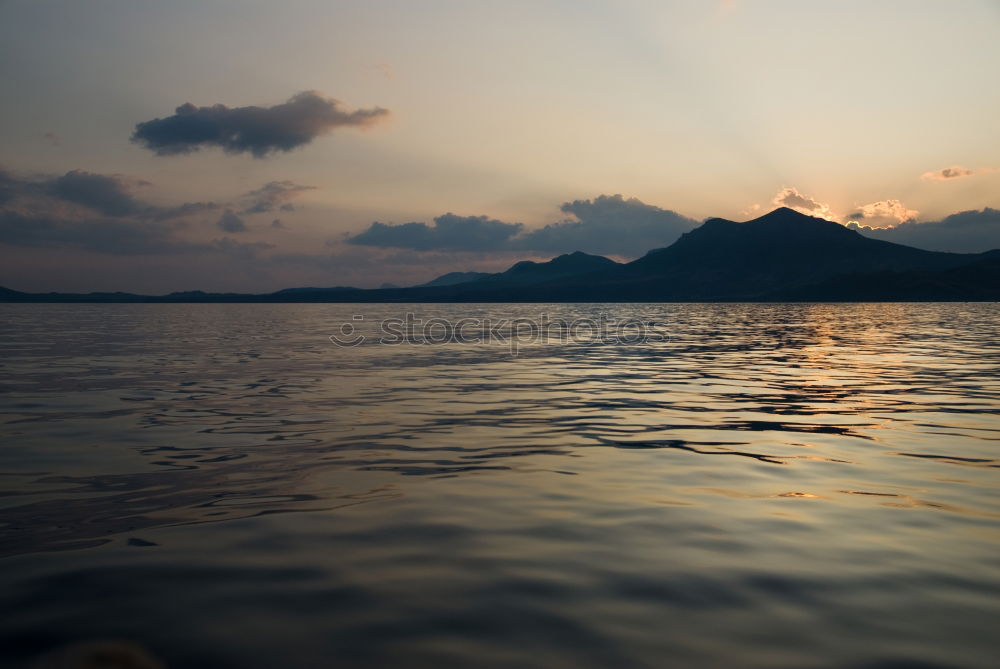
[954, 172]
[104, 194]
[94, 212]
[230, 222]
[113, 236]
[91, 193]
[793, 199]
[608, 224]
[180, 211]
[274, 195]
[243, 250]
[9, 186]
[449, 232]
[259, 131]
[971, 231]
[883, 214]
[105, 235]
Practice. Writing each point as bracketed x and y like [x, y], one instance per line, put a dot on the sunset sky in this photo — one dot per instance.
[499, 113]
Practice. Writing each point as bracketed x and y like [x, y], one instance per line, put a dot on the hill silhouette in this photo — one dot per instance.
[765, 258]
[452, 278]
[562, 267]
[781, 256]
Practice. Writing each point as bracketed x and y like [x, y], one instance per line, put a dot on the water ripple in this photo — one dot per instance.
[434, 505]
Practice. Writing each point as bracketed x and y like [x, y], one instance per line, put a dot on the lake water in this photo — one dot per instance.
[759, 486]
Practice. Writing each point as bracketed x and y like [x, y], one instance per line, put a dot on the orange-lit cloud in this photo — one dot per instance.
[793, 199]
[883, 214]
[954, 172]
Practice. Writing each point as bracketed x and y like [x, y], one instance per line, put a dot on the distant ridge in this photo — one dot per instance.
[781, 256]
[452, 278]
[564, 266]
[766, 257]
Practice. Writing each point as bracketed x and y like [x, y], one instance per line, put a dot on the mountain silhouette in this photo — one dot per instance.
[562, 267]
[783, 255]
[530, 272]
[452, 278]
[762, 259]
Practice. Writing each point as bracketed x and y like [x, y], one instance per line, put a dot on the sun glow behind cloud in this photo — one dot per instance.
[882, 214]
[696, 108]
[793, 199]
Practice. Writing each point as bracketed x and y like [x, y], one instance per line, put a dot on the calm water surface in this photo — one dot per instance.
[772, 486]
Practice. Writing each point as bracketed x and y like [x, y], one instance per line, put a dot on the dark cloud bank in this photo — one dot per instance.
[612, 225]
[106, 195]
[965, 232]
[101, 194]
[607, 225]
[448, 233]
[102, 214]
[99, 213]
[259, 131]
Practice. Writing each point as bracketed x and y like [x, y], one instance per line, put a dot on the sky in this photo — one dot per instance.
[252, 146]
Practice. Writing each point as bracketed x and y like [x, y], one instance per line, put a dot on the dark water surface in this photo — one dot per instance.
[774, 486]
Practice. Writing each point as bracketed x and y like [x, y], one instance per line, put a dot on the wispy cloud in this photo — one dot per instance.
[259, 131]
[954, 172]
[274, 195]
